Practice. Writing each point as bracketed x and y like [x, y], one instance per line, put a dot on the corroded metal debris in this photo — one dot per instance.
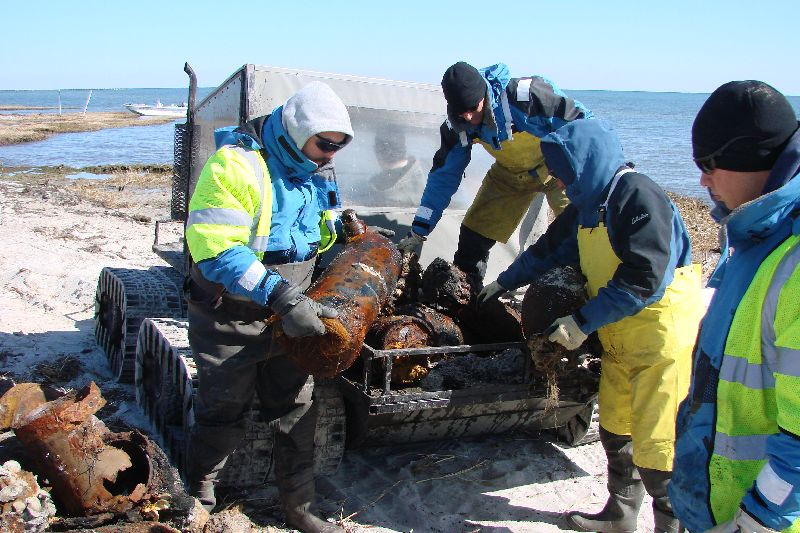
[357, 283]
[21, 399]
[93, 471]
[444, 330]
[558, 292]
[447, 287]
[414, 326]
[67, 443]
[394, 332]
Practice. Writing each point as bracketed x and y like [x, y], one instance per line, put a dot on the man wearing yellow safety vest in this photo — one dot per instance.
[257, 219]
[507, 116]
[644, 303]
[737, 452]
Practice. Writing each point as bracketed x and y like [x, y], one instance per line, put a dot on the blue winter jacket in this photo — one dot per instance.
[300, 192]
[644, 227]
[536, 105]
[754, 230]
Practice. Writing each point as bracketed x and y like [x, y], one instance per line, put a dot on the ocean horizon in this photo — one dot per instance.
[654, 128]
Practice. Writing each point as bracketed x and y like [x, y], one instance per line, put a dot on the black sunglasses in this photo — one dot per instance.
[327, 145]
[708, 163]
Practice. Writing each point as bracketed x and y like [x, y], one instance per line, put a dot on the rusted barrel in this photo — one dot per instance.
[357, 283]
[71, 449]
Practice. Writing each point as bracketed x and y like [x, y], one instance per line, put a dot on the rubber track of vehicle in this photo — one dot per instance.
[124, 298]
[166, 381]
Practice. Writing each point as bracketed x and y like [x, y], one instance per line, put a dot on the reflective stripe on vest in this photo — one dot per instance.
[747, 409]
[260, 223]
[262, 220]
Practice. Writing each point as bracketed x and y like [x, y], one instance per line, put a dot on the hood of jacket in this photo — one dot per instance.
[759, 218]
[584, 154]
[268, 134]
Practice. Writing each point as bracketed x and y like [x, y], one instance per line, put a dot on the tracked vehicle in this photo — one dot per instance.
[140, 314]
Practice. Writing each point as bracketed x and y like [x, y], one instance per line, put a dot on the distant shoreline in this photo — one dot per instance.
[32, 108]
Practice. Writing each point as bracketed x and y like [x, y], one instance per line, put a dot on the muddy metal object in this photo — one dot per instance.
[446, 287]
[403, 332]
[66, 442]
[558, 292]
[21, 399]
[92, 470]
[414, 326]
[24, 506]
[357, 283]
[494, 321]
[444, 330]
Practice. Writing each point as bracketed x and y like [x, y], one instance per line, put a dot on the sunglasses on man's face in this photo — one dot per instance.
[708, 163]
[327, 145]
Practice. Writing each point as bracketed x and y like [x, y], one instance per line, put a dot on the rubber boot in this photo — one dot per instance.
[472, 253]
[295, 479]
[625, 489]
[299, 517]
[294, 469]
[201, 478]
[203, 490]
[656, 482]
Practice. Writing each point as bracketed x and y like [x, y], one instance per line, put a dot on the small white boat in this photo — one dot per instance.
[158, 110]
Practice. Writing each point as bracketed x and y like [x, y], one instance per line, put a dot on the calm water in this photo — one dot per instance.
[654, 129]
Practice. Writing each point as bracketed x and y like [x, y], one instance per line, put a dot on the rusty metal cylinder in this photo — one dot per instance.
[70, 448]
[357, 283]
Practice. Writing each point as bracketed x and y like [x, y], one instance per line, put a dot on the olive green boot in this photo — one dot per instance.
[625, 489]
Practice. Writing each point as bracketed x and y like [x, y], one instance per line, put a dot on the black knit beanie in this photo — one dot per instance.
[463, 88]
[757, 114]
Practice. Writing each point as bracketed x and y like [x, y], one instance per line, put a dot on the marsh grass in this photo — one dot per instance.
[16, 129]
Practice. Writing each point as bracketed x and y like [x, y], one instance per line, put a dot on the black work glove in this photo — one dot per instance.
[299, 313]
[386, 232]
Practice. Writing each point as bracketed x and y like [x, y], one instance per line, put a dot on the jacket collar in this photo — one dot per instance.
[268, 134]
[759, 218]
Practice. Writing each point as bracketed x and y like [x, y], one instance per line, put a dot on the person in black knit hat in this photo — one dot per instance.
[507, 116]
[737, 449]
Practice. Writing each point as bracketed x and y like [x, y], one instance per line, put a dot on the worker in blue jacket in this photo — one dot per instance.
[507, 116]
[644, 303]
[257, 219]
[737, 451]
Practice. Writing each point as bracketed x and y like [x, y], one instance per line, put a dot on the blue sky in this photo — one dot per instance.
[687, 46]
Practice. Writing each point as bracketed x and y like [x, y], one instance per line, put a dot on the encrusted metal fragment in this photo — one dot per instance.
[93, 471]
[357, 283]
